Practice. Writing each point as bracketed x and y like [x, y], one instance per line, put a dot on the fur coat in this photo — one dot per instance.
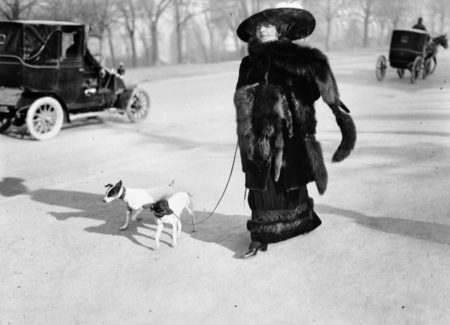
[278, 84]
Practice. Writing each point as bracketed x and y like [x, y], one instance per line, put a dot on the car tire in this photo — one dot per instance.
[138, 106]
[45, 118]
[5, 122]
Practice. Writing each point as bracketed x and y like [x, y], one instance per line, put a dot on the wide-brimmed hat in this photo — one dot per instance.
[291, 23]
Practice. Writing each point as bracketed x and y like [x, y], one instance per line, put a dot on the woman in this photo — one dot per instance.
[279, 81]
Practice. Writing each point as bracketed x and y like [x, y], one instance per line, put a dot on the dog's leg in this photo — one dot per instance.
[135, 213]
[179, 227]
[174, 231]
[190, 208]
[159, 229]
[127, 220]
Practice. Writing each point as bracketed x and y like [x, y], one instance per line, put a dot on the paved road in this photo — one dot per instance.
[381, 256]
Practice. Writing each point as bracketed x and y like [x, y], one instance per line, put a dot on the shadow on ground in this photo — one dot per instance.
[12, 186]
[228, 231]
[429, 231]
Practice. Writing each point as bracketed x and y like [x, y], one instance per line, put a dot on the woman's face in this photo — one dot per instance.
[266, 33]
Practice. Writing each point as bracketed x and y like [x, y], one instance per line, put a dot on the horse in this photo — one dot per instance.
[431, 51]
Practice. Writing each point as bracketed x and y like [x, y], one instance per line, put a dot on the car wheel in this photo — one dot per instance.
[44, 118]
[5, 122]
[138, 106]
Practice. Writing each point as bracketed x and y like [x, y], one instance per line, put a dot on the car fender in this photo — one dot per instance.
[28, 97]
[124, 97]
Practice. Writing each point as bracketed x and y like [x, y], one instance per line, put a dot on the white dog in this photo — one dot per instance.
[169, 212]
[136, 199]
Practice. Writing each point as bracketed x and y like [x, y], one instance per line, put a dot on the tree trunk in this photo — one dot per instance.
[201, 43]
[16, 10]
[155, 44]
[111, 48]
[147, 46]
[328, 35]
[442, 22]
[178, 32]
[366, 31]
[133, 49]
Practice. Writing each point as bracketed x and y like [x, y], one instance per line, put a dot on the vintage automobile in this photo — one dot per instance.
[48, 78]
[407, 52]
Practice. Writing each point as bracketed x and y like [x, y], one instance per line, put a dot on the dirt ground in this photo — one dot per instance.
[380, 257]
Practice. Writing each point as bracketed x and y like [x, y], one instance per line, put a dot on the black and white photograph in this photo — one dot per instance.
[225, 162]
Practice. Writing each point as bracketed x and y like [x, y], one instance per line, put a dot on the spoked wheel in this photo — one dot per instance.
[401, 73]
[5, 122]
[138, 106]
[415, 69]
[380, 68]
[426, 68]
[44, 118]
[432, 66]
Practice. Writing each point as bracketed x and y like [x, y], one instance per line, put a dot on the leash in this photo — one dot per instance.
[220, 199]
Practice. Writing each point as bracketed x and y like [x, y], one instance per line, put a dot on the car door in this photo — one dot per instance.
[71, 69]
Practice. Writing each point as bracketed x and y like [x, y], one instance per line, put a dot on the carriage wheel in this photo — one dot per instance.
[426, 68]
[415, 69]
[432, 66]
[401, 73]
[380, 68]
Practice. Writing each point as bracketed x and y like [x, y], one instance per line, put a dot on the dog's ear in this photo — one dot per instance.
[119, 184]
[108, 185]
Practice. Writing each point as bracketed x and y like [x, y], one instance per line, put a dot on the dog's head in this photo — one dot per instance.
[112, 192]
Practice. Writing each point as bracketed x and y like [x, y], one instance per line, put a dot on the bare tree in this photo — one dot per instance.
[228, 14]
[16, 9]
[154, 9]
[393, 10]
[201, 42]
[129, 14]
[440, 9]
[183, 11]
[367, 11]
[329, 10]
[103, 16]
[65, 10]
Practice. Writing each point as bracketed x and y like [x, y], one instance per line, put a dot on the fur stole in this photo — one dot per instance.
[260, 131]
[312, 64]
[263, 120]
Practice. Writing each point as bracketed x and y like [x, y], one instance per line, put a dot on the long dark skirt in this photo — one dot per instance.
[278, 215]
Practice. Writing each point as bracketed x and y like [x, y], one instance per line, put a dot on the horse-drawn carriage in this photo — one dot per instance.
[413, 50]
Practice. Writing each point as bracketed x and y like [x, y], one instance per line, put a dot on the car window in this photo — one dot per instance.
[71, 46]
[44, 52]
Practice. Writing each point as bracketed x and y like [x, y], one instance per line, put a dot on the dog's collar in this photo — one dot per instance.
[123, 193]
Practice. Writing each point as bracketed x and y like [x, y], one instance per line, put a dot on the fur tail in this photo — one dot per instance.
[314, 151]
[348, 131]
